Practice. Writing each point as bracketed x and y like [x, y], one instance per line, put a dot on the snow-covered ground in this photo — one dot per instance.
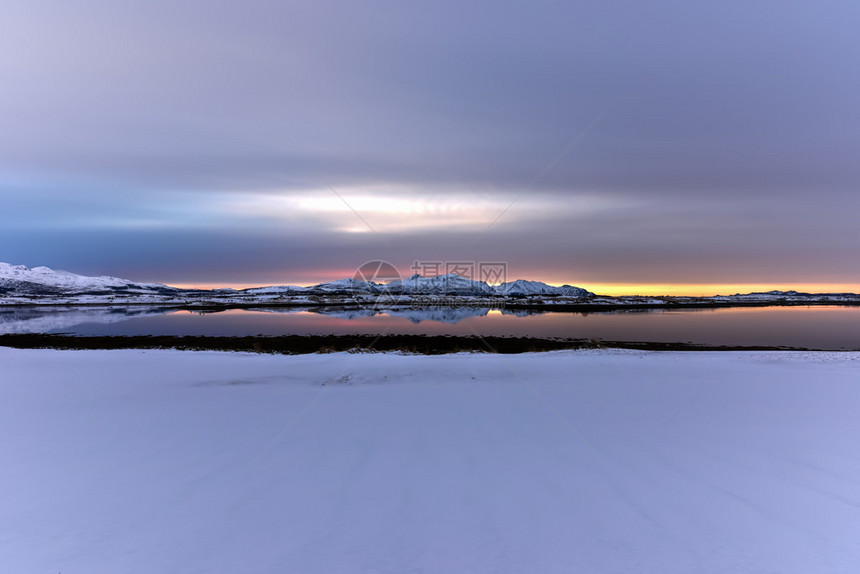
[580, 461]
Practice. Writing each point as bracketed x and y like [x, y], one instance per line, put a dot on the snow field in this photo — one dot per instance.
[576, 461]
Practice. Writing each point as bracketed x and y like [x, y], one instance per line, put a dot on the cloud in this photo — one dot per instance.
[726, 135]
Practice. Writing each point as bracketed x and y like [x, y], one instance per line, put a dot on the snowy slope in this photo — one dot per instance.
[524, 287]
[24, 279]
[350, 285]
[783, 296]
[274, 289]
[439, 285]
[144, 462]
[459, 285]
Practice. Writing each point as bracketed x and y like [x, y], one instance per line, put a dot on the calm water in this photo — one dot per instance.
[811, 327]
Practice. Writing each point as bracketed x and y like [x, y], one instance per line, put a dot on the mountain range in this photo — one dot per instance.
[21, 285]
[21, 280]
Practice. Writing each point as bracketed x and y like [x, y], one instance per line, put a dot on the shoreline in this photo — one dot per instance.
[309, 344]
[562, 307]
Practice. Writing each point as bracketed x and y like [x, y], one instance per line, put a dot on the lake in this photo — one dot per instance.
[817, 327]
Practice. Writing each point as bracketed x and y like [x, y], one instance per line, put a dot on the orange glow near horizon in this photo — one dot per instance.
[227, 285]
[618, 289]
[708, 289]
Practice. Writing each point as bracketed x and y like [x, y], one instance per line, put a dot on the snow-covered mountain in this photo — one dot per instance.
[523, 287]
[21, 279]
[783, 296]
[347, 286]
[450, 284]
[459, 285]
[273, 290]
[439, 285]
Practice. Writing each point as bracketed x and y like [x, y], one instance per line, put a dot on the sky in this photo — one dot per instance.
[623, 146]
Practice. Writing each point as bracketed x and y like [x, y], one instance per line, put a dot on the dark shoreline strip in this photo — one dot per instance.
[506, 304]
[303, 344]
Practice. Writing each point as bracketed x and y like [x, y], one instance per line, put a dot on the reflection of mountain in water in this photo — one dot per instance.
[41, 320]
[15, 320]
[439, 314]
[448, 315]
